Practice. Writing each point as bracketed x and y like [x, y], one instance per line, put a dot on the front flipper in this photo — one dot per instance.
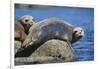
[26, 43]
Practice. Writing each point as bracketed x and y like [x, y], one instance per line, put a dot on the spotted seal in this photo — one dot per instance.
[22, 27]
[52, 28]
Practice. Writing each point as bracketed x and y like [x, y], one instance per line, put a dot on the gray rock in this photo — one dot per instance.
[55, 48]
[17, 45]
[52, 51]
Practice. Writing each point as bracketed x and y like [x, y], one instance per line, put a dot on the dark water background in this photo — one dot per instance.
[83, 17]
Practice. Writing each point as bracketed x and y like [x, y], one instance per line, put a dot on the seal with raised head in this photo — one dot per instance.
[22, 27]
[52, 28]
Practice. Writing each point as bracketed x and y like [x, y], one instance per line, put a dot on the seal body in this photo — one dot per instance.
[51, 28]
[22, 27]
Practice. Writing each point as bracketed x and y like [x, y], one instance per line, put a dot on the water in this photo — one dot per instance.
[83, 17]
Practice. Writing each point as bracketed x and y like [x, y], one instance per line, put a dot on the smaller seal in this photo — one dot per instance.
[52, 28]
[22, 27]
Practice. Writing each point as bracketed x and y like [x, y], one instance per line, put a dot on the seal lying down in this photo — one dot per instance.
[52, 28]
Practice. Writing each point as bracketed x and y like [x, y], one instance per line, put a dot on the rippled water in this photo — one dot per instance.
[84, 17]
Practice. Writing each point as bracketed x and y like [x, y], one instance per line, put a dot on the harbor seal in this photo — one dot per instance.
[22, 27]
[52, 28]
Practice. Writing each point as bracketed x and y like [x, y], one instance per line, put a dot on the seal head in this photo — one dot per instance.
[78, 33]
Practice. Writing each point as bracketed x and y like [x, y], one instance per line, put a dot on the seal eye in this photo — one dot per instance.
[75, 32]
[26, 20]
